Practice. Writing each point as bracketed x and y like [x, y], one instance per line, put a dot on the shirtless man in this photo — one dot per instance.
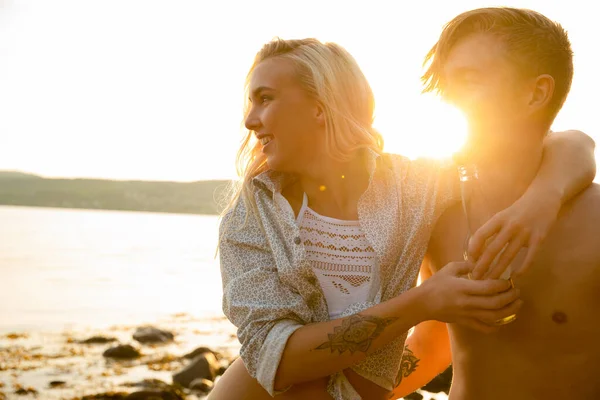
[510, 71]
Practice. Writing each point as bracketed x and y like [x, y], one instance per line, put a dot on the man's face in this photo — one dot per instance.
[480, 80]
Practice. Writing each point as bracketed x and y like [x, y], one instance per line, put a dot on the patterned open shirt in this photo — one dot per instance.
[270, 290]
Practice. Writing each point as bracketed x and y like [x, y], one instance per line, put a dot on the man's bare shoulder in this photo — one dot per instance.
[447, 238]
[447, 222]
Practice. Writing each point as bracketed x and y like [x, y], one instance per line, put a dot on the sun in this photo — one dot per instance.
[425, 127]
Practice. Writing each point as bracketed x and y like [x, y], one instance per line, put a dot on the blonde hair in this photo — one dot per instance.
[331, 76]
[535, 44]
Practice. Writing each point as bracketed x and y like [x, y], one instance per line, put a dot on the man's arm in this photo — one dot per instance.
[568, 167]
[573, 168]
[426, 351]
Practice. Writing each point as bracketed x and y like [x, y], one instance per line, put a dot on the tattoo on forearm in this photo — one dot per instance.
[356, 333]
[408, 365]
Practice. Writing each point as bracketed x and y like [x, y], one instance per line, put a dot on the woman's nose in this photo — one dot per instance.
[252, 121]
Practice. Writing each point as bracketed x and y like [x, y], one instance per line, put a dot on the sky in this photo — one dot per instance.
[153, 90]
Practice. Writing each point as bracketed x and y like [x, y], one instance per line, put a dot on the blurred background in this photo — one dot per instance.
[119, 124]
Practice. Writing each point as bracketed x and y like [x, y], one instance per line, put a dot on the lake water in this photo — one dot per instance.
[71, 269]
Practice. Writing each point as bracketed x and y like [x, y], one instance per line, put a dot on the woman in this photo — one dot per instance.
[322, 243]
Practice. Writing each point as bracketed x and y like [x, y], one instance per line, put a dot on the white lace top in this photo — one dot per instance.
[341, 258]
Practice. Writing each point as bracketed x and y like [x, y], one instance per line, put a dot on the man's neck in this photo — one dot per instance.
[507, 169]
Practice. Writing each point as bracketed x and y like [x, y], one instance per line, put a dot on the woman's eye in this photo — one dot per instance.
[265, 98]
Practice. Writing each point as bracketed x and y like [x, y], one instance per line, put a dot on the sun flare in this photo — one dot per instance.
[424, 128]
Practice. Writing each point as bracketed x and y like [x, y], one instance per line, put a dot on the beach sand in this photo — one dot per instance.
[56, 365]
[30, 361]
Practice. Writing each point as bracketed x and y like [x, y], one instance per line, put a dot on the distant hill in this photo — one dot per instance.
[21, 189]
[17, 174]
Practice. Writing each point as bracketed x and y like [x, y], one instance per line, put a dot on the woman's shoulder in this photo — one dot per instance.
[246, 215]
[237, 216]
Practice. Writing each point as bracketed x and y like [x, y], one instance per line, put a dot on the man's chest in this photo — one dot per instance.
[561, 289]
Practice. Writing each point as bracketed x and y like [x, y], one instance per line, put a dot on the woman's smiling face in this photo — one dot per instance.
[285, 119]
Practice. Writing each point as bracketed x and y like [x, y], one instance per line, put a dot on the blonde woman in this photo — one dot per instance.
[321, 245]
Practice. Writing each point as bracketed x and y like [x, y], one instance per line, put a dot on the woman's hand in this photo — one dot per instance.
[523, 225]
[478, 304]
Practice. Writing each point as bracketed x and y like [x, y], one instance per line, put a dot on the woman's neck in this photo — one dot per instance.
[334, 188]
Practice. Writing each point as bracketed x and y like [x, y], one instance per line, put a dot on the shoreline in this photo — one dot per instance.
[55, 364]
[58, 364]
[74, 208]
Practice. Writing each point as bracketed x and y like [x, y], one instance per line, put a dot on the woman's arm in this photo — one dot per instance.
[568, 167]
[280, 345]
[321, 349]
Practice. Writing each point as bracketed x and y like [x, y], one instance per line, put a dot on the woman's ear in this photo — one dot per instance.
[320, 115]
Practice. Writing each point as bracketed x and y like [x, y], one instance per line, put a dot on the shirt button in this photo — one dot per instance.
[297, 240]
